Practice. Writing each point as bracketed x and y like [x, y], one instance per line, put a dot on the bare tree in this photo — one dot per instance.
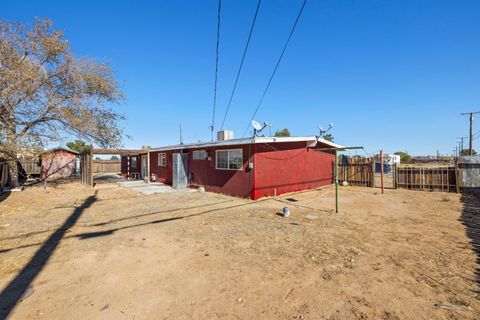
[47, 94]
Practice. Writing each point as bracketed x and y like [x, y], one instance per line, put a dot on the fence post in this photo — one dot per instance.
[373, 172]
[381, 169]
[394, 175]
[457, 177]
[336, 181]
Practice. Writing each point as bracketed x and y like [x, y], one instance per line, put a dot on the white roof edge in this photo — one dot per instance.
[330, 143]
[310, 140]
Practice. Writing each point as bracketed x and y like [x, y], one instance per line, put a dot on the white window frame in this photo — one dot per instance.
[228, 159]
[132, 160]
[162, 159]
[201, 152]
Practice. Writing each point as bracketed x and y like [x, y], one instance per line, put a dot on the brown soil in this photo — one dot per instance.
[71, 252]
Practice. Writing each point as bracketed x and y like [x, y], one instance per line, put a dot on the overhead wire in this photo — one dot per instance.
[476, 135]
[216, 68]
[276, 66]
[241, 64]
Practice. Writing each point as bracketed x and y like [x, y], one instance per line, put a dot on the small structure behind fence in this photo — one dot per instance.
[468, 174]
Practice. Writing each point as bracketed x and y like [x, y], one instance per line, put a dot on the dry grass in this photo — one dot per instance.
[400, 255]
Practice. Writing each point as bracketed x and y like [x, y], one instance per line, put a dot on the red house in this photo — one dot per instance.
[249, 168]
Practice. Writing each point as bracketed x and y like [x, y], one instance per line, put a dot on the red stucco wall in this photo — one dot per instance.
[288, 167]
[124, 165]
[164, 173]
[278, 168]
[203, 172]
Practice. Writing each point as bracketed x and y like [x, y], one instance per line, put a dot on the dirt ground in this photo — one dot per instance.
[71, 252]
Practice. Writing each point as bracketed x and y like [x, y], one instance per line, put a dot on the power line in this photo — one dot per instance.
[216, 70]
[471, 127]
[241, 64]
[476, 135]
[276, 66]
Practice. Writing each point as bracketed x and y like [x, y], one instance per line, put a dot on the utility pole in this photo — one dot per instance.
[460, 143]
[471, 126]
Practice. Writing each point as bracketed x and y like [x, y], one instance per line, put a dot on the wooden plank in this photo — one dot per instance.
[124, 152]
[426, 178]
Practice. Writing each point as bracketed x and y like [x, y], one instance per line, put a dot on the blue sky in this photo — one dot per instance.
[391, 75]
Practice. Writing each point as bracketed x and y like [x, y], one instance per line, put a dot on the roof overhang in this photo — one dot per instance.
[122, 152]
[311, 142]
[60, 149]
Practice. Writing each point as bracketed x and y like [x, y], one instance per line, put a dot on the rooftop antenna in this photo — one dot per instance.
[257, 127]
[270, 127]
[181, 134]
[323, 131]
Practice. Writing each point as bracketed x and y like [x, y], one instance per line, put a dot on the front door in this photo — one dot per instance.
[144, 168]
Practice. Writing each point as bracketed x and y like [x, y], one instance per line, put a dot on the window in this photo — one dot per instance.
[162, 159]
[199, 155]
[133, 162]
[229, 159]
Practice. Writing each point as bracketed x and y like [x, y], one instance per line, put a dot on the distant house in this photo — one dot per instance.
[58, 163]
[250, 168]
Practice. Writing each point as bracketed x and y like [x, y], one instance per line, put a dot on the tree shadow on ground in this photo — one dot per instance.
[470, 218]
[111, 231]
[4, 195]
[19, 286]
[105, 177]
[33, 233]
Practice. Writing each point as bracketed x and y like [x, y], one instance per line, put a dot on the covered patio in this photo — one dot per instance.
[86, 163]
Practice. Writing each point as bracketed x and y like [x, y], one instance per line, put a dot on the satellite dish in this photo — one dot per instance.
[256, 125]
[323, 131]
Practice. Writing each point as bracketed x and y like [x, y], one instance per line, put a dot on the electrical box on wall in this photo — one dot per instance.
[250, 165]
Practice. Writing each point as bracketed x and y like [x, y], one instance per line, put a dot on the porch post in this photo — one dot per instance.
[336, 181]
[148, 166]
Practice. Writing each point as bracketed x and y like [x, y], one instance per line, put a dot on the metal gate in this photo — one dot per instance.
[180, 170]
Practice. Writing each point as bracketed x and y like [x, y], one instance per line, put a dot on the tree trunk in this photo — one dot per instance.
[12, 154]
[13, 170]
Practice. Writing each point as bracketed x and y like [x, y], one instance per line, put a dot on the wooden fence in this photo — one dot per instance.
[3, 174]
[31, 166]
[106, 166]
[86, 173]
[356, 171]
[439, 178]
[359, 171]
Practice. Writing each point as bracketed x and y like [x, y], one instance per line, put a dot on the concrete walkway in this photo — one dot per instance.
[149, 188]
